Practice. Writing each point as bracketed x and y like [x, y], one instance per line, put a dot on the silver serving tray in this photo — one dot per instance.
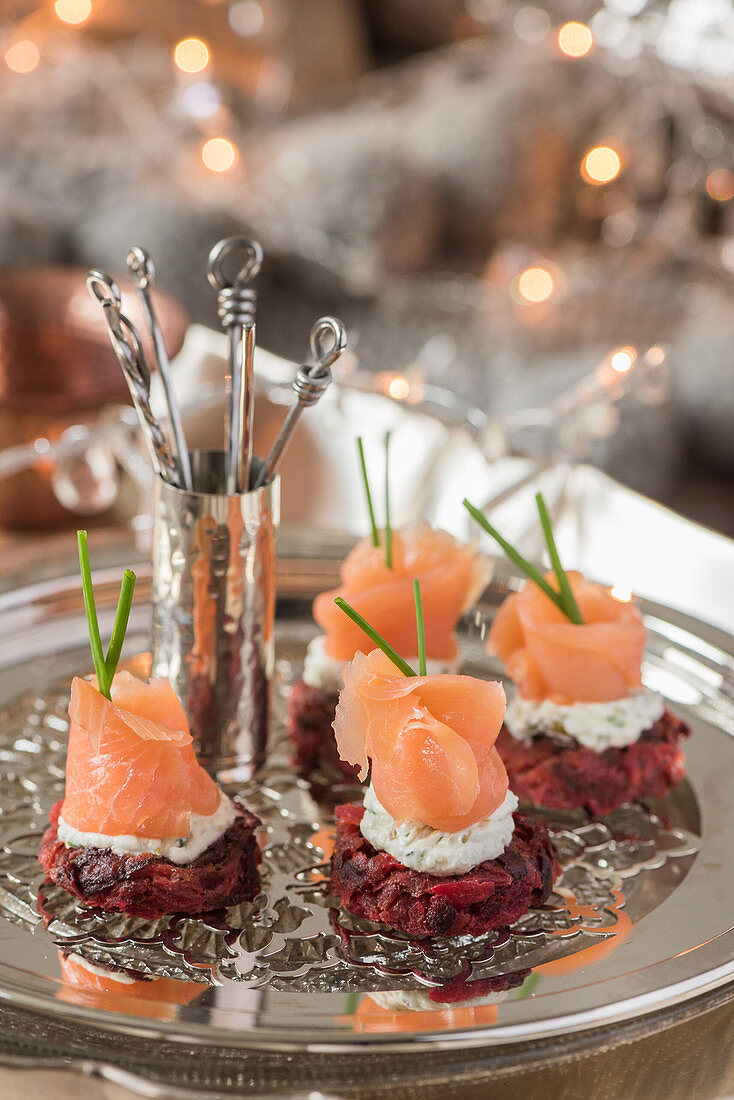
[637, 928]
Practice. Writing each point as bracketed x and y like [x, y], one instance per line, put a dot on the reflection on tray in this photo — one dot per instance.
[615, 871]
[104, 985]
[457, 1004]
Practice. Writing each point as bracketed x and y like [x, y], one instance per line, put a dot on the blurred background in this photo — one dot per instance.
[507, 202]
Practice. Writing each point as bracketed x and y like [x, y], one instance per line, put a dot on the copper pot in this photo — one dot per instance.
[57, 369]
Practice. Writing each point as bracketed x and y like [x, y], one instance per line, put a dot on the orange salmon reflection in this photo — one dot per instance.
[373, 1017]
[459, 1003]
[416, 1011]
[205, 606]
[616, 934]
[95, 986]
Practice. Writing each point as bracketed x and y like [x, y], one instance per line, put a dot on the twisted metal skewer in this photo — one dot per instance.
[236, 304]
[309, 385]
[126, 344]
[140, 266]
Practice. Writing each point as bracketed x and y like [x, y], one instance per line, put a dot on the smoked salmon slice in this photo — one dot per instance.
[131, 768]
[549, 657]
[451, 575]
[430, 740]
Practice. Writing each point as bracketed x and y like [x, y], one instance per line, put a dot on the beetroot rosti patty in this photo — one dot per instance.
[563, 776]
[310, 718]
[150, 886]
[375, 886]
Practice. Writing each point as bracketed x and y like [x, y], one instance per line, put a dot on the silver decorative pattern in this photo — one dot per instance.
[288, 938]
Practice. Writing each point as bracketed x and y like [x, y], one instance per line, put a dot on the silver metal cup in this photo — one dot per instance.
[214, 610]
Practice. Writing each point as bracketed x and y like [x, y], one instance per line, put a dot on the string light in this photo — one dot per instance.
[720, 184]
[74, 12]
[575, 39]
[23, 56]
[535, 285]
[622, 359]
[191, 55]
[602, 164]
[218, 154]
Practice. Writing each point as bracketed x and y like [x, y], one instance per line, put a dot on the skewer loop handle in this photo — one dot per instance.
[104, 288]
[125, 337]
[328, 341]
[253, 258]
[141, 267]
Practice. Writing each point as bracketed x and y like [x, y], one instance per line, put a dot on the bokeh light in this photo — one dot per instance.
[655, 355]
[720, 184]
[201, 100]
[602, 164]
[398, 388]
[531, 24]
[535, 284]
[191, 55]
[622, 359]
[247, 18]
[218, 154]
[74, 12]
[23, 56]
[575, 39]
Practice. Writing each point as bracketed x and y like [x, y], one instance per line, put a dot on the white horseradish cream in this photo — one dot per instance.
[415, 1000]
[596, 726]
[422, 848]
[103, 971]
[181, 850]
[324, 672]
[319, 669]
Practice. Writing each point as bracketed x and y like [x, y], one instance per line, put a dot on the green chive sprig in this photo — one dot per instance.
[420, 627]
[372, 634]
[514, 555]
[105, 667]
[367, 492]
[95, 641]
[564, 585]
[569, 608]
[370, 506]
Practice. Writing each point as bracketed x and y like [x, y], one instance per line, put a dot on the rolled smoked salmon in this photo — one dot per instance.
[131, 767]
[451, 575]
[430, 740]
[549, 657]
